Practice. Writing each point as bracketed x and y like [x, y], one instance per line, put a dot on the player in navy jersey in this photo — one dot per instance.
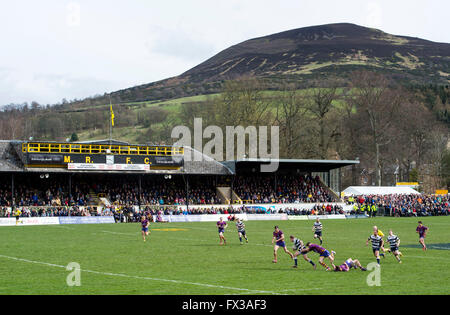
[241, 230]
[422, 230]
[278, 238]
[298, 247]
[145, 224]
[317, 229]
[323, 253]
[377, 244]
[349, 264]
[221, 225]
[394, 243]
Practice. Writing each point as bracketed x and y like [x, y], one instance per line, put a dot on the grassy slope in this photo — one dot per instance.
[173, 106]
[193, 255]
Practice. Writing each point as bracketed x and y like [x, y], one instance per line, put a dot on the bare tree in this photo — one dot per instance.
[377, 106]
[322, 101]
[291, 117]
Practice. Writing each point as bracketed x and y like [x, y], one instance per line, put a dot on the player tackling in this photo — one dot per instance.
[323, 253]
[298, 247]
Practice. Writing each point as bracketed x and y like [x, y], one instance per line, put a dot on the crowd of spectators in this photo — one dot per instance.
[158, 191]
[319, 209]
[131, 214]
[65, 211]
[281, 189]
[50, 193]
[402, 204]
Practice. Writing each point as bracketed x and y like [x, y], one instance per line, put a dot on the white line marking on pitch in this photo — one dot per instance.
[143, 278]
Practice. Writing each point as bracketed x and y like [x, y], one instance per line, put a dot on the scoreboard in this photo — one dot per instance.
[102, 157]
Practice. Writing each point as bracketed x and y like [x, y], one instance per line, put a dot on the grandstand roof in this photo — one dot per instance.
[289, 164]
[378, 190]
[12, 159]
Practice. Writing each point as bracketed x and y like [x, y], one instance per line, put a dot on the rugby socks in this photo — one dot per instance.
[324, 265]
[320, 241]
[312, 263]
[295, 261]
[378, 260]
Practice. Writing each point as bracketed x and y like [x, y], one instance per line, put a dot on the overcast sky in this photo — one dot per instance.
[55, 49]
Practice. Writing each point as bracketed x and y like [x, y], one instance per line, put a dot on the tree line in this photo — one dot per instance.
[398, 132]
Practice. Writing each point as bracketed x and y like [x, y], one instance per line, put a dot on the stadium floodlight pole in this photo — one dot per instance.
[140, 191]
[12, 190]
[70, 188]
[187, 193]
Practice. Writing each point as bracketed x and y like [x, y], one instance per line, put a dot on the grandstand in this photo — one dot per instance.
[108, 172]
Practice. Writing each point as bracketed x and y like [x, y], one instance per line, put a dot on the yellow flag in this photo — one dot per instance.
[112, 116]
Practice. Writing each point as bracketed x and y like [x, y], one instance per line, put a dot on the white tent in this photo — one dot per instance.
[377, 190]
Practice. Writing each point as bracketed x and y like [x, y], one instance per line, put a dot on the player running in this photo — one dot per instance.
[145, 223]
[241, 230]
[278, 236]
[222, 225]
[394, 243]
[349, 264]
[377, 243]
[422, 230]
[324, 253]
[298, 247]
[381, 234]
[317, 229]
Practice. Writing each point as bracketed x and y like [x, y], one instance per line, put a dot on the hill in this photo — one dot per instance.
[305, 53]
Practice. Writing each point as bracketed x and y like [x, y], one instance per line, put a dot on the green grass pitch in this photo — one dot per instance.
[185, 258]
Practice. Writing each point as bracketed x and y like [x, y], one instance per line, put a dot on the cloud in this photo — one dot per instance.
[374, 16]
[20, 86]
[179, 41]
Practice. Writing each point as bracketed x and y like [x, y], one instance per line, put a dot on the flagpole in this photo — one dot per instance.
[110, 121]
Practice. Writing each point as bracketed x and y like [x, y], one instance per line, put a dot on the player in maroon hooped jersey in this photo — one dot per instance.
[221, 225]
[422, 230]
[145, 223]
[278, 237]
[323, 253]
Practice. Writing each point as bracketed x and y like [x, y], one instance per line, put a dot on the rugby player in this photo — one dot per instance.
[422, 230]
[298, 247]
[394, 243]
[377, 243]
[381, 234]
[241, 230]
[324, 253]
[221, 225]
[349, 264]
[145, 224]
[317, 229]
[278, 236]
